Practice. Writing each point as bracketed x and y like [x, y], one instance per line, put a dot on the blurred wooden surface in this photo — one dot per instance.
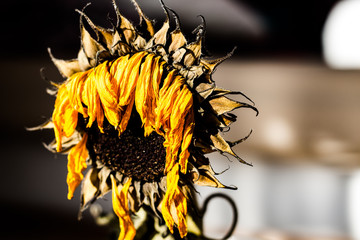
[308, 112]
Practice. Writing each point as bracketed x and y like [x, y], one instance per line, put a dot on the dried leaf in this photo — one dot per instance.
[84, 63]
[91, 46]
[224, 147]
[177, 40]
[104, 185]
[207, 179]
[193, 54]
[160, 36]
[205, 89]
[178, 55]
[89, 189]
[65, 67]
[46, 125]
[149, 24]
[211, 64]
[220, 144]
[223, 105]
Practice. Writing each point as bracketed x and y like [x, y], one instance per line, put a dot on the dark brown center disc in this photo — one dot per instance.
[132, 154]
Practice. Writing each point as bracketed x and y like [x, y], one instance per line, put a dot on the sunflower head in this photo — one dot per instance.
[139, 109]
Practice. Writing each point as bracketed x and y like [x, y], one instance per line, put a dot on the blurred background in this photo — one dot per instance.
[299, 61]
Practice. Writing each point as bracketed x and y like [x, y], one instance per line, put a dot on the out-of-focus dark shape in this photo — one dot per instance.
[293, 27]
[255, 27]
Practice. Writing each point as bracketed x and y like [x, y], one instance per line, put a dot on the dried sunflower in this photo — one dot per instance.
[139, 109]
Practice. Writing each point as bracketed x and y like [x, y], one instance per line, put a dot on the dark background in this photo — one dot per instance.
[33, 197]
[291, 27]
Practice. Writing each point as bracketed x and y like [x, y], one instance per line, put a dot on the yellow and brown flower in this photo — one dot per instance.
[139, 110]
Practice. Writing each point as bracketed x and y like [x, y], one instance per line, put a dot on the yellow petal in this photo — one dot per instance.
[75, 87]
[174, 204]
[187, 137]
[127, 114]
[143, 94]
[107, 93]
[117, 70]
[95, 110]
[164, 103]
[127, 86]
[76, 164]
[70, 121]
[130, 78]
[63, 117]
[174, 107]
[156, 73]
[121, 209]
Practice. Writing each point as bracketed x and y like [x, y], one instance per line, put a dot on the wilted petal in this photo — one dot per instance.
[121, 209]
[89, 188]
[76, 164]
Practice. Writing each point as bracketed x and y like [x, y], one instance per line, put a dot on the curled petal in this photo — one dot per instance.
[76, 164]
[174, 205]
[64, 117]
[121, 209]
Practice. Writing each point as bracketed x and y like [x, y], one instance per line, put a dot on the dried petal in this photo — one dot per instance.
[121, 209]
[76, 164]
